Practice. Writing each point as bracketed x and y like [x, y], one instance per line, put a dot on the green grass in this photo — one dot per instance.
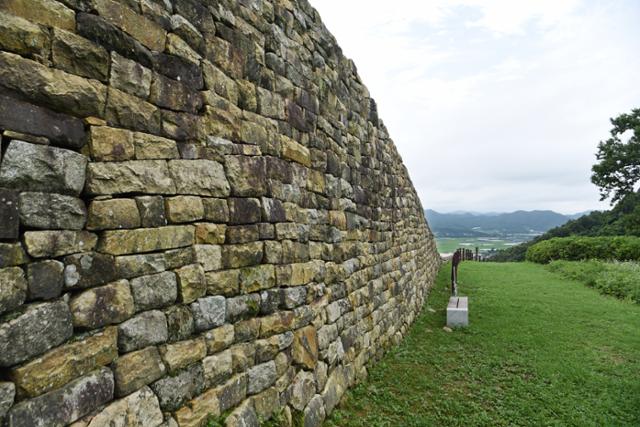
[450, 244]
[541, 350]
[618, 279]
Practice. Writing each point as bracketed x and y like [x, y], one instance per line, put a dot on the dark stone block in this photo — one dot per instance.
[21, 116]
[45, 279]
[172, 94]
[244, 211]
[273, 210]
[197, 14]
[88, 269]
[179, 69]
[103, 33]
[67, 404]
[151, 210]
[179, 126]
[9, 214]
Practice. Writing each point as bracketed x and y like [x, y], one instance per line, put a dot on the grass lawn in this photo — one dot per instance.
[541, 350]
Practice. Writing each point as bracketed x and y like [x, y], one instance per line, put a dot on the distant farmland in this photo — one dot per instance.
[484, 244]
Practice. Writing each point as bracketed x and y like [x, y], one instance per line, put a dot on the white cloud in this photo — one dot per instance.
[514, 94]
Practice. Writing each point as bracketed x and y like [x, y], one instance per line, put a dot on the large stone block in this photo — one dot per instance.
[295, 151]
[129, 76]
[145, 329]
[88, 269]
[13, 288]
[152, 147]
[182, 354]
[120, 242]
[199, 177]
[151, 209]
[242, 255]
[111, 144]
[67, 404]
[127, 111]
[52, 211]
[12, 254]
[23, 37]
[209, 256]
[146, 31]
[57, 89]
[174, 95]
[51, 244]
[138, 176]
[21, 116]
[32, 167]
[173, 391]
[154, 291]
[244, 211]
[184, 209]
[9, 214]
[45, 278]
[179, 322]
[138, 409]
[7, 396]
[261, 377]
[191, 282]
[247, 175]
[77, 55]
[45, 12]
[65, 363]
[39, 328]
[105, 305]
[208, 312]
[135, 370]
[113, 214]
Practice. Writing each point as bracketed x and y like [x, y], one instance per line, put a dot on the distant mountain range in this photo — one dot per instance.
[471, 224]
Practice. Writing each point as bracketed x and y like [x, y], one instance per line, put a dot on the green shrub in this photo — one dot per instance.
[576, 248]
[618, 279]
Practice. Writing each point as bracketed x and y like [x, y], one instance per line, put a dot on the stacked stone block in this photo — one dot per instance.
[202, 218]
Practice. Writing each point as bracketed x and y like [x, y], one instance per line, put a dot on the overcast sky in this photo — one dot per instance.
[495, 105]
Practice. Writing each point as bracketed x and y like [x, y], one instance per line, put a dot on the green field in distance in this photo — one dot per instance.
[484, 244]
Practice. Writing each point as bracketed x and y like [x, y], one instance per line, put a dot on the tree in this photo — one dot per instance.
[618, 167]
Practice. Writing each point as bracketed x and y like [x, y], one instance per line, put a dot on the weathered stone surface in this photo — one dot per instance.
[272, 210]
[127, 111]
[105, 305]
[208, 312]
[314, 413]
[77, 55]
[293, 297]
[256, 278]
[179, 322]
[13, 288]
[242, 307]
[145, 329]
[129, 76]
[217, 368]
[52, 211]
[58, 89]
[7, 395]
[45, 279]
[141, 28]
[50, 244]
[139, 409]
[199, 177]
[219, 338]
[244, 211]
[67, 404]
[178, 47]
[152, 147]
[46, 12]
[179, 69]
[111, 144]
[98, 30]
[207, 233]
[267, 403]
[209, 256]
[12, 254]
[22, 116]
[154, 291]
[191, 283]
[174, 391]
[247, 175]
[226, 282]
[39, 328]
[244, 415]
[32, 167]
[139, 176]
[196, 411]
[120, 242]
[65, 363]
[88, 269]
[184, 209]
[293, 150]
[216, 210]
[25, 38]
[135, 370]
[261, 377]
[151, 210]
[302, 389]
[243, 255]
[9, 214]
[174, 95]
[305, 347]
[184, 353]
[243, 233]
[113, 214]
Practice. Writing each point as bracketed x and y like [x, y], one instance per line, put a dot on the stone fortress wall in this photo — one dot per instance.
[201, 216]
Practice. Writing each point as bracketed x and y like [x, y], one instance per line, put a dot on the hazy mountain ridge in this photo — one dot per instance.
[465, 224]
